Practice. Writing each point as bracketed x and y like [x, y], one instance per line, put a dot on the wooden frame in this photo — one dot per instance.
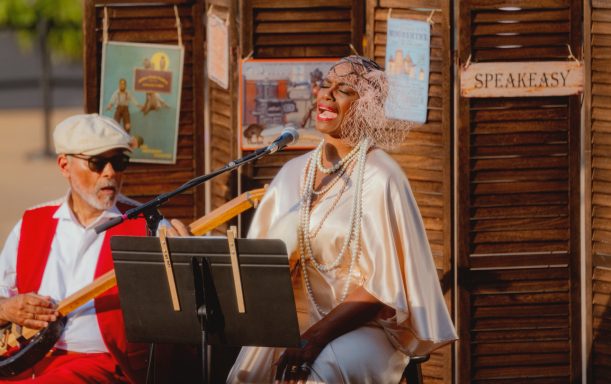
[467, 144]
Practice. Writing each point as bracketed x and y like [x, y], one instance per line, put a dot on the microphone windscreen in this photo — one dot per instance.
[293, 132]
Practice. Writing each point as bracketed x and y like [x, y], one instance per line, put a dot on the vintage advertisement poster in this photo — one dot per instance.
[140, 89]
[276, 94]
[520, 79]
[218, 53]
[407, 66]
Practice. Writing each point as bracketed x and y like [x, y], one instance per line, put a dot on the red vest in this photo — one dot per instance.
[37, 232]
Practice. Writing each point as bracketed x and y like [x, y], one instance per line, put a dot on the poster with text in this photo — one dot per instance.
[277, 94]
[407, 67]
[141, 89]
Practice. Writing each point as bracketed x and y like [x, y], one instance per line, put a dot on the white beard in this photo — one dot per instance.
[92, 199]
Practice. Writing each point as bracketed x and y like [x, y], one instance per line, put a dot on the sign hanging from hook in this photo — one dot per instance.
[217, 58]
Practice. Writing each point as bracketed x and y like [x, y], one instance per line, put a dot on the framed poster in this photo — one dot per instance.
[407, 66]
[276, 94]
[140, 89]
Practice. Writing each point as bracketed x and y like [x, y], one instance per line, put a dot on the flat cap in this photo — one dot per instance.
[89, 135]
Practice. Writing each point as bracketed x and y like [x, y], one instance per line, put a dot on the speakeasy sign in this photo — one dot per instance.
[512, 79]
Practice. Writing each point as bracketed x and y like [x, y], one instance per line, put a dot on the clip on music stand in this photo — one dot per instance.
[207, 292]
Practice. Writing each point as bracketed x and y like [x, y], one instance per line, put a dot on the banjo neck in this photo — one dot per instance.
[88, 292]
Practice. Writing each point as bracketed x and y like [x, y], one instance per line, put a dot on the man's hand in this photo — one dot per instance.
[29, 310]
[178, 229]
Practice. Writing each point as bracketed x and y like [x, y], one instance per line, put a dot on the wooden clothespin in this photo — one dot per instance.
[169, 271]
[430, 18]
[571, 56]
[232, 233]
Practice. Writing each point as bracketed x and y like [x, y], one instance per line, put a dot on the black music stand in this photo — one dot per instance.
[206, 290]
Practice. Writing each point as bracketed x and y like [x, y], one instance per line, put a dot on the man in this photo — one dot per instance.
[120, 99]
[53, 251]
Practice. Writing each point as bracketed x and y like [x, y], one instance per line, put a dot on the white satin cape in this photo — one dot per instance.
[395, 266]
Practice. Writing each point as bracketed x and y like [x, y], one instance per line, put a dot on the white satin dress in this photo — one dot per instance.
[395, 266]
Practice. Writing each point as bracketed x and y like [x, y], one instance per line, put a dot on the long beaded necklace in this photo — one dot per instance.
[337, 165]
[347, 169]
[334, 181]
[352, 239]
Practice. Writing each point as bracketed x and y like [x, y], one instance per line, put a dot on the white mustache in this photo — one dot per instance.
[106, 184]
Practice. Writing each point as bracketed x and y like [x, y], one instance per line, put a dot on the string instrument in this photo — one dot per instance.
[226, 211]
[21, 347]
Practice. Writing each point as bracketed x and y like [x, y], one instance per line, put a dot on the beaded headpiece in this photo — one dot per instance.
[360, 66]
[366, 118]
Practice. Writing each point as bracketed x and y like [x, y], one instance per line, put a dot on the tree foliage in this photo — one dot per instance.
[63, 17]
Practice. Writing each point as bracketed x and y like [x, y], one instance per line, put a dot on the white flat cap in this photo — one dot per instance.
[89, 135]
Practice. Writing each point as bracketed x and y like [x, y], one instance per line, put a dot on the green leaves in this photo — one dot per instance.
[63, 27]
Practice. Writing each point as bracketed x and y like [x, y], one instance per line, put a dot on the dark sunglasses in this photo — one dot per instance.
[98, 163]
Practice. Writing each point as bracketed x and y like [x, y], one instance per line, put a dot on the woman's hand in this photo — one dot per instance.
[294, 364]
[29, 310]
[358, 308]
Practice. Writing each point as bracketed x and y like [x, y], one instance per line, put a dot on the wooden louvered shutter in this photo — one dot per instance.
[518, 204]
[296, 29]
[599, 117]
[222, 107]
[426, 155]
[155, 23]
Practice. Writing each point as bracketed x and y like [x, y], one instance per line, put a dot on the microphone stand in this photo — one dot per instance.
[149, 209]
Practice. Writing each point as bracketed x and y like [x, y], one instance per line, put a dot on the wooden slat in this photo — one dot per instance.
[302, 15]
[521, 4]
[519, 41]
[521, 28]
[522, 16]
[271, 4]
[282, 27]
[303, 38]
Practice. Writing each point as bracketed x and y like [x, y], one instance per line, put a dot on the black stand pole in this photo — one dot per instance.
[150, 369]
[208, 307]
[153, 218]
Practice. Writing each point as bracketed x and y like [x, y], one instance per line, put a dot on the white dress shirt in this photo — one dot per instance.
[71, 265]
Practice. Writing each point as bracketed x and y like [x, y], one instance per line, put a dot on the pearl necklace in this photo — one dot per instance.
[352, 239]
[337, 165]
[330, 185]
[348, 170]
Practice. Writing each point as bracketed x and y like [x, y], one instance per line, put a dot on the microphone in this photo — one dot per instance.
[288, 136]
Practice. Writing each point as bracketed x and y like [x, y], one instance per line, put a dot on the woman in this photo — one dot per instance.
[365, 285]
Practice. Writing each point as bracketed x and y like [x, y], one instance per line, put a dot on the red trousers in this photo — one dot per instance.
[71, 368]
